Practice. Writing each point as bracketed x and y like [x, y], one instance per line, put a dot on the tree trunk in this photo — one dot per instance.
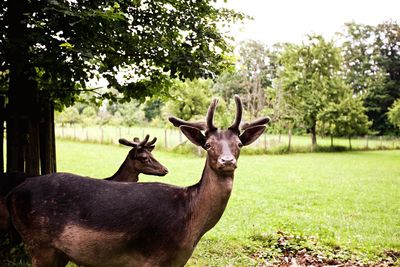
[331, 140]
[313, 137]
[350, 142]
[47, 137]
[290, 138]
[23, 108]
[32, 159]
[2, 119]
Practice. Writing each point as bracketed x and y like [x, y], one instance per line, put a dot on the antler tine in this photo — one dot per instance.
[144, 141]
[210, 115]
[152, 142]
[201, 125]
[261, 121]
[125, 142]
[238, 117]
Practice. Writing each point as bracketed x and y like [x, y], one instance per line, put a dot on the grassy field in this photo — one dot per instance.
[347, 202]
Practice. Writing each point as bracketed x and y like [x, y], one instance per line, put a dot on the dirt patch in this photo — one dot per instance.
[286, 250]
[302, 258]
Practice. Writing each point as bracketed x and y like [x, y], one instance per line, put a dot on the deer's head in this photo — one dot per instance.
[222, 146]
[140, 157]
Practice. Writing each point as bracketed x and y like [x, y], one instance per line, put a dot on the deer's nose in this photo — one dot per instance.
[227, 160]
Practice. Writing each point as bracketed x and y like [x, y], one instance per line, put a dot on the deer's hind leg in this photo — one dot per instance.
[47, 257]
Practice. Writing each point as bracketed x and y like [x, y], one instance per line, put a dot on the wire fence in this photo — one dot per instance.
[168, 138]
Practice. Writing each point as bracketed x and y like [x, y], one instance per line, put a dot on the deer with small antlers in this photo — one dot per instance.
[99, 223]
[139, 160]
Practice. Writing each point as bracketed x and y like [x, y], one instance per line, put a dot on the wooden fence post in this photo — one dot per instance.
[165, 138]
[265, 141]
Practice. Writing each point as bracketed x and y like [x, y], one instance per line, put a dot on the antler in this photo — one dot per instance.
[261, 121]
[152, 142]
[146, 138]
[201, 125]
[209, 125]
[210, 115]
[137, 143]
[238, 117]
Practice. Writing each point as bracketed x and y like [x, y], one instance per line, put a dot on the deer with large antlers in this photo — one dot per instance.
[99, 223]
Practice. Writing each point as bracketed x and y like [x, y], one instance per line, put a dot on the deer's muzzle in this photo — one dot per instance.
[226, 163]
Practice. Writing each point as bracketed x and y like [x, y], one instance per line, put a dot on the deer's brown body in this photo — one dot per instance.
[104, 223]
[139, 160]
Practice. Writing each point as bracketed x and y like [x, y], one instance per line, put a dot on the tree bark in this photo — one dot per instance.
[2, 119]
[350, 142]
[290, 138]
[313, 133]
[22, 109]
[47, 137]
[32, 159]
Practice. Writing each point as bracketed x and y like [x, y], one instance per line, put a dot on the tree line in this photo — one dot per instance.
[346, 86]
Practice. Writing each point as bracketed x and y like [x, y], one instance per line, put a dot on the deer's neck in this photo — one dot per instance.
[209, 199]
[126, 172]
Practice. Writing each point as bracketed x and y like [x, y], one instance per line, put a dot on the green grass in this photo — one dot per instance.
[348, 200]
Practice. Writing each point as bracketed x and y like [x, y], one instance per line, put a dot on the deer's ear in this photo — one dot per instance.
[251, 134]
[194, 135]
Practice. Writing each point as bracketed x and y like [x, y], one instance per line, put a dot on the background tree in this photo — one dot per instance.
[372, 56]
[69, 116]
[190, 99]
[387, 46]
[345, 117]
[126, 113]
[257, 72]
[152, 108]
[394, 113]
[228, 84]
[310, 79]
[352, 119]
[49, 50]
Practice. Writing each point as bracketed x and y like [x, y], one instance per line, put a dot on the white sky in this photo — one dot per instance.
[290, 20]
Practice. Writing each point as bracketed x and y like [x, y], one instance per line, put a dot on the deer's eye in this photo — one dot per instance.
[143, 159]
[207, 146]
